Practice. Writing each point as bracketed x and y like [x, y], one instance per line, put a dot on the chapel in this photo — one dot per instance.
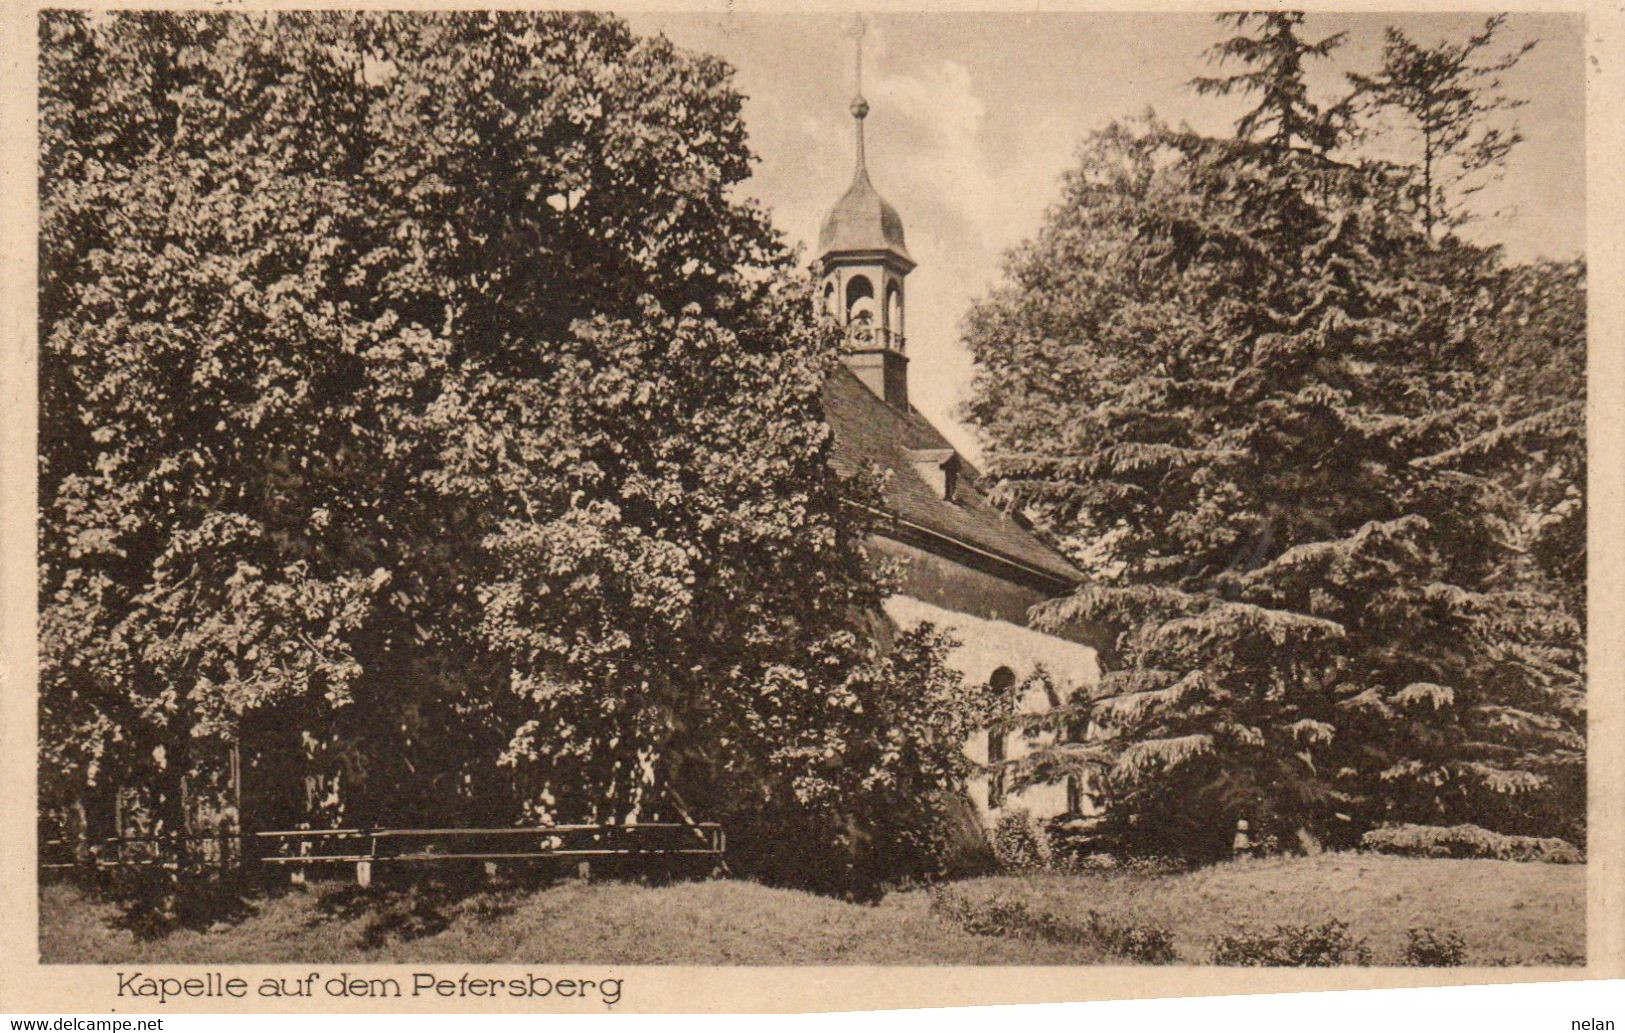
[966, 565]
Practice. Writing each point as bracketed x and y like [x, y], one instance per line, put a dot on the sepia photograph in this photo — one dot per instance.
[686, 488]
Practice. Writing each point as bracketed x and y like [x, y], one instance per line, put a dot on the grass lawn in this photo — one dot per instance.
[720, 923]
[1506, 912]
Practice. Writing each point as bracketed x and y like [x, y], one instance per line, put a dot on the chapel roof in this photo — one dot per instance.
[870, 433]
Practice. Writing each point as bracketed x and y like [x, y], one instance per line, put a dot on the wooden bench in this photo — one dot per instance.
[367, 848]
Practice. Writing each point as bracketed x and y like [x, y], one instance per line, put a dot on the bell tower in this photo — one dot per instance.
[862, 263]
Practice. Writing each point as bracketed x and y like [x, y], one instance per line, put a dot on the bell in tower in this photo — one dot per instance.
[862, 262]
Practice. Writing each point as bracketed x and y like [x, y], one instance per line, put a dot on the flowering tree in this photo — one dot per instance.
[422, 413]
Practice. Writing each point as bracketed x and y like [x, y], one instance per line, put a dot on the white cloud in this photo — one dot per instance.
[935, 156]
[941, 153]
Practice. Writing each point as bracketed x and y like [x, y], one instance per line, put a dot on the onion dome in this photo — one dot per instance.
[862, 220]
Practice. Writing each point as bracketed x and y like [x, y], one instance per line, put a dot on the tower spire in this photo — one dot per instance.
[860, 107]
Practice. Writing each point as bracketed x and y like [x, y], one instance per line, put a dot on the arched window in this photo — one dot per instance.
[894, 315]
[829, 301]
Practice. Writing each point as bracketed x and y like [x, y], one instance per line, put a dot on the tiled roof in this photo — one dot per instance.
[870, 432]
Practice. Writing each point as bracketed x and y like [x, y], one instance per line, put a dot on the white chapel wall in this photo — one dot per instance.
[985, 646]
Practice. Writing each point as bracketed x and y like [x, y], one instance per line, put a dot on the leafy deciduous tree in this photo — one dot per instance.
[422, 413]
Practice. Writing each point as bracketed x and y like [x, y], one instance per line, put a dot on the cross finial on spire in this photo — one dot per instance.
[858, 29]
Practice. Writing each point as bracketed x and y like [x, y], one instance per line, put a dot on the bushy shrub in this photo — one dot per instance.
[411, 915]
[486, 908]
[1153, 864]
[1065, 859]
[1294, 946]
[1008, 915]
[1429, 948]
[1559, 957]
[998, 915]
[408, 910]
[154, 902]
[1076, 843]
[1150, 944]
[1020, 842]
[344, 901]
[1468, 841]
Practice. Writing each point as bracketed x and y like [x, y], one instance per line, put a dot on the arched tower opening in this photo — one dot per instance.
[860, 307]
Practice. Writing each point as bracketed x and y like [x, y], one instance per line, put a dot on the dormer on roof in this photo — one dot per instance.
[938, 467]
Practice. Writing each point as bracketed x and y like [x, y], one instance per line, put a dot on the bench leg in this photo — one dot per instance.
[584, 870]
[363, 874]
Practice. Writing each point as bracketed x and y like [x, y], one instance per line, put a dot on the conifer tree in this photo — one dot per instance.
[1536, 359]
[1446, 97]
[1235, 378]
[1276, 56]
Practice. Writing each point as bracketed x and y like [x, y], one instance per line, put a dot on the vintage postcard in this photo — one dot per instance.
[582, 510]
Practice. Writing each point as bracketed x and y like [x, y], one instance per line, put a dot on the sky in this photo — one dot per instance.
[974, 117]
